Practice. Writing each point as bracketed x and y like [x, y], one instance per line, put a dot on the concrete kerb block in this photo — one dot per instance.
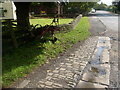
[97, 73]
[23, 84]
[83, 84]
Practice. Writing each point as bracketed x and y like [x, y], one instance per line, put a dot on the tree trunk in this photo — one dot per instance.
[23, 15]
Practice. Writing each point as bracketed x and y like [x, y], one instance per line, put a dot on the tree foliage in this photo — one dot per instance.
[46, 4]
[112, 8]
[101, 6]
[80, 7]
[116, 4]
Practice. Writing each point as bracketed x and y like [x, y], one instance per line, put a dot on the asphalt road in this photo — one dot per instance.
[110, 20]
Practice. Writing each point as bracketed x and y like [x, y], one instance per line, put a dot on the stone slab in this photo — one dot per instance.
[105, 77]
[98, 74]
[105, 56]
[23, 84]
[83, 84]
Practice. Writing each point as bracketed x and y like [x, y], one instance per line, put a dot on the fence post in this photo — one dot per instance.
[12, 34]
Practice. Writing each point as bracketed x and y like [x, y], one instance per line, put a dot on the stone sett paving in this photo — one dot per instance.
[68, 73]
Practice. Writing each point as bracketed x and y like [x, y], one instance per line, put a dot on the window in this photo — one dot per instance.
[1, 12]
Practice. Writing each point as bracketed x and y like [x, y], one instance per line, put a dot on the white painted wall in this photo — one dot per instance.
[11, 10]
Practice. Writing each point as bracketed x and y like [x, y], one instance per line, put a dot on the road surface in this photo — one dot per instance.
[110, 20]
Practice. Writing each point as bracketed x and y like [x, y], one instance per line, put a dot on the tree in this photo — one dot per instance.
[112, 8]
[80, 7]
[117, 5]
[23, 15]
[101, 6]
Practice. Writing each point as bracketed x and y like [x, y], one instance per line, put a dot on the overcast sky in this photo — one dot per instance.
[108, 2]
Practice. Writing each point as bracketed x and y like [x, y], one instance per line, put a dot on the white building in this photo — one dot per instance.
[7, 10]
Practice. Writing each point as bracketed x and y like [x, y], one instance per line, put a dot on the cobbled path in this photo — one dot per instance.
[69, 71]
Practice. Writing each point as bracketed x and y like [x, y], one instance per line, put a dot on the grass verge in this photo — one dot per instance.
[20, 62]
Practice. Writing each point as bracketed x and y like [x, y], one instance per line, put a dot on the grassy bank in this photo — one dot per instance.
[20, 62]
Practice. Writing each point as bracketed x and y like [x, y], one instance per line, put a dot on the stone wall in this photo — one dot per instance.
[71, 25]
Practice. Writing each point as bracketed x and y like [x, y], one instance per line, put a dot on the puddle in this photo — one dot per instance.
[99, 51]
[98, 70]
[94, 69]
[113, 38]
[94, 62]
[98, 56]
[101, 41]
[94, 72]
